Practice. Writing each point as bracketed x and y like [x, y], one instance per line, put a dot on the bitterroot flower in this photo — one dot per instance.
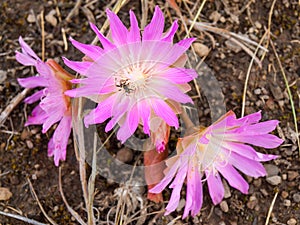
[221, 148]
[134, 78]
[54, 105]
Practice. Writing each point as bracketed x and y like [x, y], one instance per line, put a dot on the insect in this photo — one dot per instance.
[125, 85]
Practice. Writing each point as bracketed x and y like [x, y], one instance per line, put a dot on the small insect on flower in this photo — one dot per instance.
[219, 149]
[136, 77]
[54, 105]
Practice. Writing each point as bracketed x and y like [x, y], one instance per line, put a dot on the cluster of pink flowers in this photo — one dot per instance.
[141, 80]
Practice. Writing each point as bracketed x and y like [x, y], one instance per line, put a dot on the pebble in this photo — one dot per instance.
[258, 25]
[227, 193]
[287, 202]
[3, 76]
[25, 134]
[5, 194]
[30, 18]
[29, 144]
[215, 16]
[272, 170]
[284, 194]
[181, 204]
[292, 175]
[252, 202]
[264, 192]
[284, 176]
[296, 197]
[50, 18]
[274, 180]
[257, 91]
[291, 221]
[201, 49]
[224, 206]
[125, 155]
[222, 19]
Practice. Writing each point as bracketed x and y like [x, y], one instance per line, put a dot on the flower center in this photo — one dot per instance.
[131, 79]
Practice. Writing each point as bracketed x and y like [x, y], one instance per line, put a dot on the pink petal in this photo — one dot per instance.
[26, 50]
[170, 35]
[52, 119]
[57, 146]
[33, 82]
[101, 113]
[144, 112]
[259, 128]
[178, 75]
[44, 70]
[134, 33]
[215, 187]
[234, 178]
[119, 32]
[163, 87]
[154, 30]
[165, 112]
[91, 51]
[247, 166]
[24, 59]
[177, 186]
[80, 67]
[107, 45]
[35, 97]
[38, 116]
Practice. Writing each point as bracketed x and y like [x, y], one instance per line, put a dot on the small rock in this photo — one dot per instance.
[287, 202]
[292, 175]
[31, 18]
[224, 206]
[257, 91]
[3, 76]
[233, 46]
[264, 192]
[181, 204]
[257, 182]
[222, 223]
[29, 144]
[251, 30]
[125, 155]
[5, 194]
[252, 202]
[25, 134]
[50, 18]
[274, 180]
[272, 170]
[222, 56]
[296, 197]
[201, 49]
[227, 193]
[284, 176]
[215, 16]
[284, 194]
[222, 19]
[258, 25]
[291, 221]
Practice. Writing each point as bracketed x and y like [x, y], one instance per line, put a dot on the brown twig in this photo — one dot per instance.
[22, 218]
[39, 203]
[43, 35]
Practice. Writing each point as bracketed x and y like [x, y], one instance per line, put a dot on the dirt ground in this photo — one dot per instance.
[23, 151]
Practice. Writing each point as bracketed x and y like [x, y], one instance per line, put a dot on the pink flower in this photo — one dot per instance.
[134, 78]
[221, 148]
[54, 105]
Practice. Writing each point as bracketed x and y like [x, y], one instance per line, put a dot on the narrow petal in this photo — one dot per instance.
[33, 82]
[170, 34]
[154, 30]
[144, 112]
[35, 97]
[80, 67]
[58, 144]
[107, 45]
[24, 59]
[119, 32]
[134, 33]
[247, 166]
[178, 75]
[215, 187]
[165, 112]
[38, 116]
[91, 51]
[234, 178]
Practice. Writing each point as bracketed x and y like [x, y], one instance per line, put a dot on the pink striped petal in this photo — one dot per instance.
[107, 45]
[35, 97]
[178, 75]
[154, 30]
[134, 33]
[33, 82]
[80, 67]
[234, 178]
[38, 116]
[91, 51]
[118, 31]
[170, 34]
[215, 187]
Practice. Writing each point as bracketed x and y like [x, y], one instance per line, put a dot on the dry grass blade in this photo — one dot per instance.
[22, 218]
[72, 211]
[43, 35]
[289, 94]
[40, 205]
[271, 207]
[248, 75]
[13, 103]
